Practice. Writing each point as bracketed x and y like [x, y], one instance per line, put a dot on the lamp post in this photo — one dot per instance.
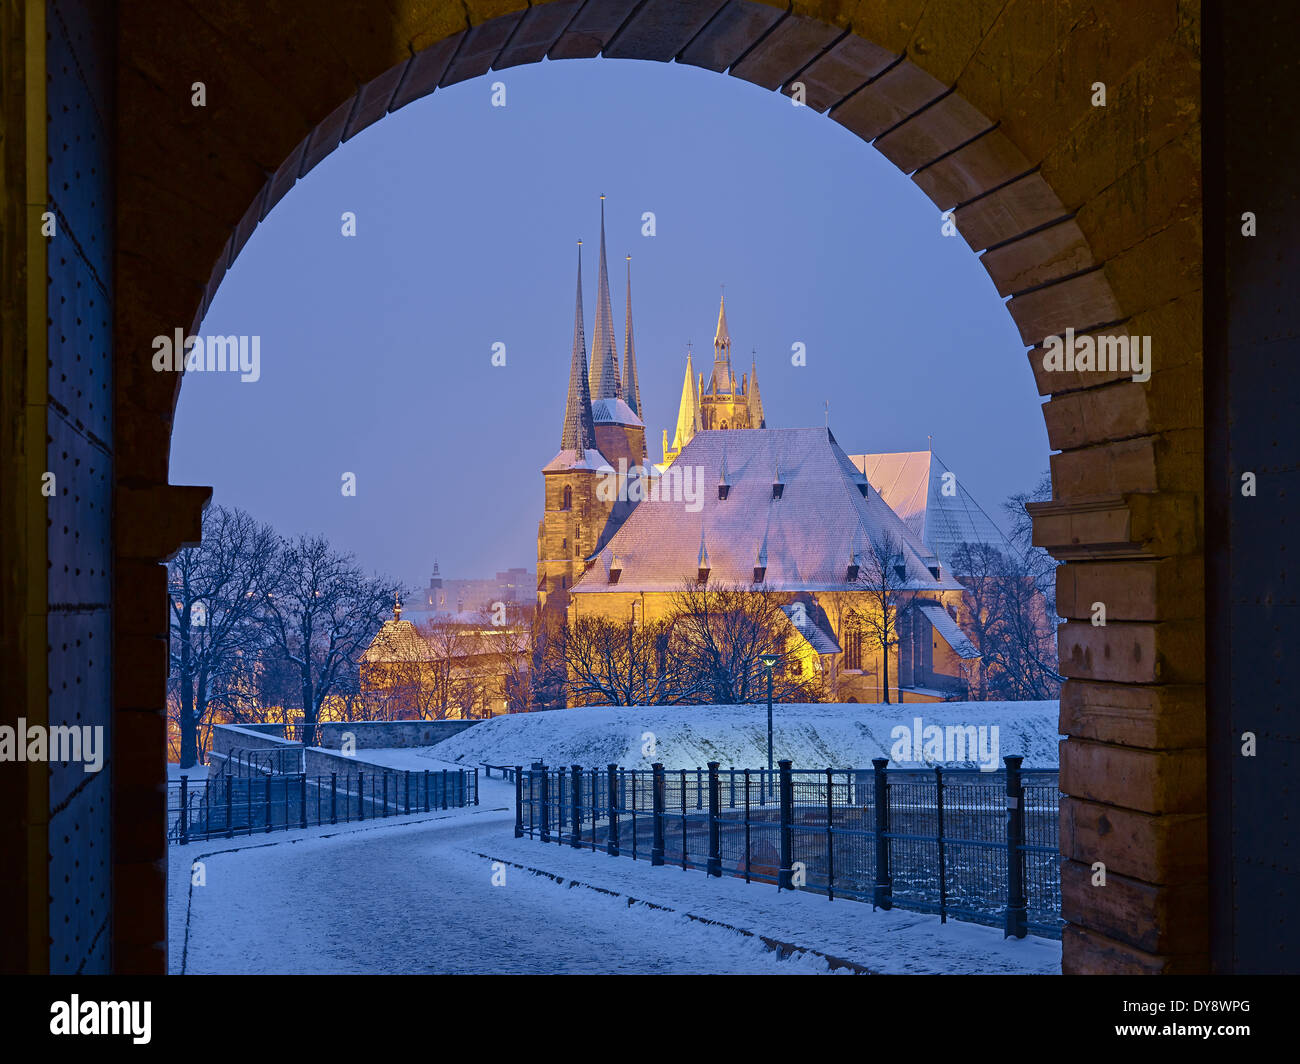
[769, 663]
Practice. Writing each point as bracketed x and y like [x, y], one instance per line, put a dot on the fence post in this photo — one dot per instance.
[1017, 903]
[714, 867]
[943, 865]
[406, 785]
[476, 786]
[539, 773]
[611, 844]
[334, 797]
[882, 896]
[785, 874]
[302, 800]
[577, 807]
[562, 792]
[699, 787]
[697, 792]
[185, 810]
[268, 802]
[361, 795]
[230, 796]
[746, 825]
[519, 802]
[444, 788]
[657, 796]
[426, 790]
[830, 835]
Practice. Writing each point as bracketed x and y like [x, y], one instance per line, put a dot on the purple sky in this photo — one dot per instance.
[376, 349]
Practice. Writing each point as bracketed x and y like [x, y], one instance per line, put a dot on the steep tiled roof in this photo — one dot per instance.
[807, 535]
[397, 641]
[911, 482]
[613, 412]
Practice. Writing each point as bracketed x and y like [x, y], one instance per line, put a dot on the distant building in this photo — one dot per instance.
[466, 598]
[446, 667]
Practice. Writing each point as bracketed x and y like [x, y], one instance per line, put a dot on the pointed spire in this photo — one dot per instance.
[631, 383]
[605, 383]
[723, 379]
[753, 400]
[688, 411]
[579, 428]
[724, 487]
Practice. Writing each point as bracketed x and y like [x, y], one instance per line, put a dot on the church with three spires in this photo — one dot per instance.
[787, 510]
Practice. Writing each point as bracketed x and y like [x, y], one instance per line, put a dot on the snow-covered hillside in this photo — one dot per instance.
[812, 736]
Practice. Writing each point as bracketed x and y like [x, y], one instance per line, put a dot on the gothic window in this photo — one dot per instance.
[853, 649]
[724, 423]
[568, 498]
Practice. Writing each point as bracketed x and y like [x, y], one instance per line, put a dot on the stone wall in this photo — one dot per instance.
[380, 734]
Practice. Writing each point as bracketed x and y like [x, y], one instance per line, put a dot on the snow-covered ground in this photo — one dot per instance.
[417, 894]
[812, 736]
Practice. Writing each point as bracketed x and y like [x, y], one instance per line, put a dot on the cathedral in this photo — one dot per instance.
[787, 510]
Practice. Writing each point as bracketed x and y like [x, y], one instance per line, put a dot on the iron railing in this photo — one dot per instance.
[224, 806]
[973, 845]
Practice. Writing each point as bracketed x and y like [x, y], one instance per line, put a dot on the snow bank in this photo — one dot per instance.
[811, 735]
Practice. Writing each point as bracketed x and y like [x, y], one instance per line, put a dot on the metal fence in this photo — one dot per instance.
[227, 805]
[978, 846]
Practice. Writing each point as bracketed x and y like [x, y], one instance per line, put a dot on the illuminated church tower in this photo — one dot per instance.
[602, 430]
[718, 402]
[620, 433]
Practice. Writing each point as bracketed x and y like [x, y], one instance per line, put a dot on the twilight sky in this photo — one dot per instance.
[376, 349]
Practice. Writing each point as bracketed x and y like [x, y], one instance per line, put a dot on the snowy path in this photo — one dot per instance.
[411, 899]
[414, 895]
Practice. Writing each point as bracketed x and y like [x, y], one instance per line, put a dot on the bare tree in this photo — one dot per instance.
[547, 672]
[321, 615]
[628, 663]
[978, 567]
[216, 593]
[1040, 564]
[1011, 621]
[725, 632]
[882, 579]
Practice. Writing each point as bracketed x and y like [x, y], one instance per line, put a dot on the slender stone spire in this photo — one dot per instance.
[579, 428]
[631, 383]
[688, 411]
[753, 400]
[605, 382]
[723, 379]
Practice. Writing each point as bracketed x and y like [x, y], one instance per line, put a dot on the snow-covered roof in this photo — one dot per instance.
[822, 641]
[912, 483]
[613, 412]
[397, 641]
[570, 459]
[807, 536]
[951, 632]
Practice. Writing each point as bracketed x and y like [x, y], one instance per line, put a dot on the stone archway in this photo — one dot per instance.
[1086, 217]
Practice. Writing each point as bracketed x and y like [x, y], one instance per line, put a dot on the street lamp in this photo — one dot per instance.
[769, 663]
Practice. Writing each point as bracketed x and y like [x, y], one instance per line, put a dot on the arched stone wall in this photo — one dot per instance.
[1086, 217]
